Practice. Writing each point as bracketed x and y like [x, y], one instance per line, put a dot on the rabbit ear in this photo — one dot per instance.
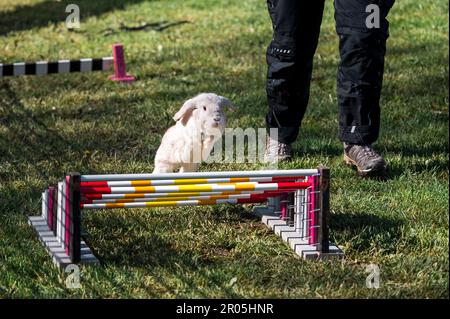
[223, 101]
[185, 112]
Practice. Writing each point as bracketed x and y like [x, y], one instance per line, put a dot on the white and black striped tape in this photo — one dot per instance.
[61, 66]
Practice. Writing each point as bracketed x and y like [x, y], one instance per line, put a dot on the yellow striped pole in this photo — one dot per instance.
[172, 203]
[177, 198]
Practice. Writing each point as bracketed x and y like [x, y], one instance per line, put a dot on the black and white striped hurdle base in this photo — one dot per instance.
[61, 66]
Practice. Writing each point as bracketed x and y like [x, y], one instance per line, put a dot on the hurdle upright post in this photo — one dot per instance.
[323, 240]
[75, 217]
[55, 209]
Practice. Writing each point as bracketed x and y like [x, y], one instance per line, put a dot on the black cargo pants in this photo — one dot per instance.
[296, 27]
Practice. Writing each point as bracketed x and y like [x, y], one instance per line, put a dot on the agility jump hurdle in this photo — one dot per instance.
[297, 204]
[71, 66]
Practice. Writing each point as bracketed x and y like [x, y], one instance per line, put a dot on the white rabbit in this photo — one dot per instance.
[199, 124]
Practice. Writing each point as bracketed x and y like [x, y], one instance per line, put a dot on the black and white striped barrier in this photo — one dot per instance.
[71, 66]
[61, 66]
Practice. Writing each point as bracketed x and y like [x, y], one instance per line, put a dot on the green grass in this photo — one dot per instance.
[82, 122]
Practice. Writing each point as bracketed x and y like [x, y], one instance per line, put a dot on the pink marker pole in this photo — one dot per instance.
[67, 217]
[120, 73]
[312, 213]
[283, 206]
[51, 197]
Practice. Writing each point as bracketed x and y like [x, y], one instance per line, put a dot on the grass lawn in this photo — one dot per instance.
[52, 125]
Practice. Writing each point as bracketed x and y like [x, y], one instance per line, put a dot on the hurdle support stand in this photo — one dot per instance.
[63, 249]
[297, 236]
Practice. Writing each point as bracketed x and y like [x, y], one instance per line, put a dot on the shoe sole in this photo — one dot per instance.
[379, 171]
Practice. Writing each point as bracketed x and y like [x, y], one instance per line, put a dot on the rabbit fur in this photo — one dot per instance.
[200, 122]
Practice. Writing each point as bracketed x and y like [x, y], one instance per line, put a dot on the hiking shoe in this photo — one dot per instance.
[277, 152]
[367, 161]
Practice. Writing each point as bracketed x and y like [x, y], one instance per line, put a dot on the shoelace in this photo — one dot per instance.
[366, 153]
[283, 148]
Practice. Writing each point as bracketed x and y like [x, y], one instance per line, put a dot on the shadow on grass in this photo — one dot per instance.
[26, 138]
[154, 26]
[363, 230]
[42, 13]
[158, 254]
[29, 137]
[23, 134]
[185, 268]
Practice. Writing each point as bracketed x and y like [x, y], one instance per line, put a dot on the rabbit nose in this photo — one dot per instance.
[217, 119]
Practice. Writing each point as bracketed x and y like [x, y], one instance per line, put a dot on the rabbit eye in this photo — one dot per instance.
[204, 108]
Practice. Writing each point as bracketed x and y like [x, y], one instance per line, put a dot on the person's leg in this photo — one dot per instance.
[360, 75]
[361, 69]
[296, 28]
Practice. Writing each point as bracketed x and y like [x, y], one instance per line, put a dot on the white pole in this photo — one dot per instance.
[298, 207]
[305, 214]
[45, 204]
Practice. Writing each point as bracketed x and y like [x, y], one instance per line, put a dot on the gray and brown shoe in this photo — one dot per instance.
[367, 161]
[277, 152]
